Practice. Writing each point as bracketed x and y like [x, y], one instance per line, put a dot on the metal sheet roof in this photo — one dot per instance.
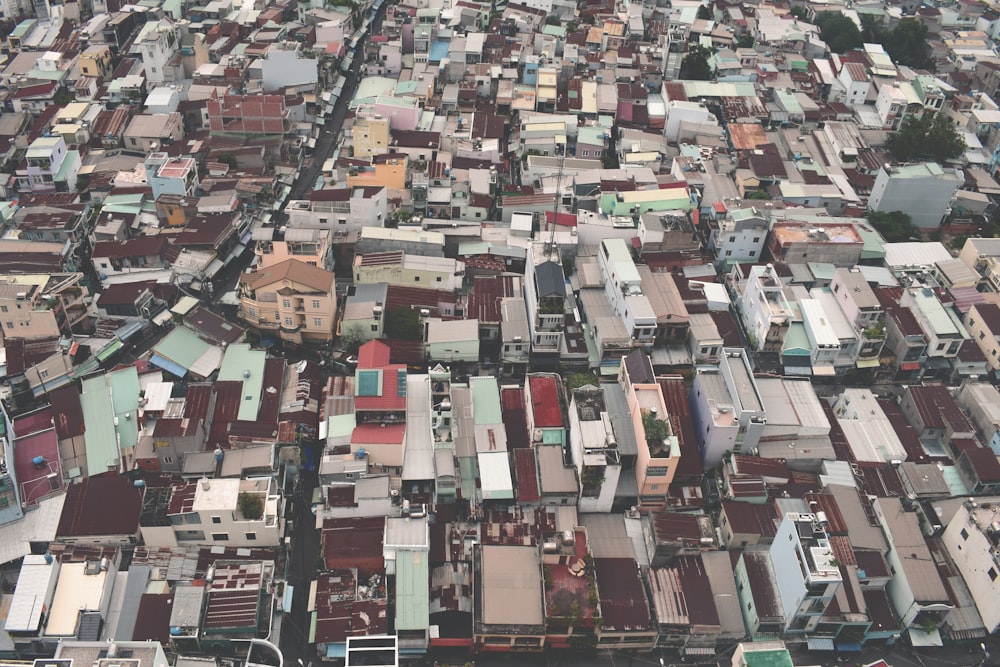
[412, 591]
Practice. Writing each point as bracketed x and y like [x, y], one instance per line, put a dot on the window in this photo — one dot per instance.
[756, 239]
[982, 335]
[251, 537]
[438, 279]
[286, 303]
[992, 573]
[753, 253]
[44, 374]
[416, 279]
[3, 309]
[252, 312]
[216, 519]
[964, 534]
[288, 321]
[729, 253]
[317, 321]
[315, 303]
[277, 317]
[375, 327]
[168, 459]
[732, 239]
[220, 537]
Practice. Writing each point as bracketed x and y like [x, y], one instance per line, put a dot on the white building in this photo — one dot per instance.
[765, 311]
[867, 429]
[594, 447]
[693, 113]
[973, 539]
[807, 568]
[728, 411]
[623, 285]
[922, 191]
[739, 236]
[854, 78]
[217, 511]
[158, 46]
[283, 65]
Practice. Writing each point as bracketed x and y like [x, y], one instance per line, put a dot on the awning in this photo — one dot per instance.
[247, 235]
[110, 349]
[698, 650]
[162, 318]
[820, 644]
[287, 602]
[213, 267]
[450, 641]
[920, 638]
[609, 370]
[868, 363]
[88, 366]
[825, 371]
[338, 650]
[909, 366]
[168, 365]
[849, 647]
[130, 329]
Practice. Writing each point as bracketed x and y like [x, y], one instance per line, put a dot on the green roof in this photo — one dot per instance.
[182, 347]
[486, 401]
[796, 340]
[106, 399]
[99, 438]
[554, 30]
[247, 365]
[124, 385]
[470, 473]
[822, 270]
[772, 658]
[340, 425]
[412, 592]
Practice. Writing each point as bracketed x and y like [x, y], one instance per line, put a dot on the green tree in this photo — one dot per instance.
[577, 380]
[705, 13]
[251, 506]
[353, 338]
[696, 65]
[839, 32]
[927, 137]
[227, 159]
[894, 227]
[656, 429]
[552, 19]
[745, 41]
[759, 195]
[801, 12]
[403, 323]
[907, 45]
[873, 29]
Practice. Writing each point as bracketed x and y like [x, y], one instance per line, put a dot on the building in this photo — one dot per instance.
[149, 132]
[796, 242]
[623, 286]
[292, 299]
[918, 595]
[231, 512]
[922, 191]
[50, 166]
[658, 447]
[86, 520]
[175, 176]
[400, 268]
[728, 410]
[738, 236]
[594, 447]
[509, 614]
[253, 115]
[449, 341]
[971, 538]
[862, 308]
[545, 299]
[763, 307]
[983, 324]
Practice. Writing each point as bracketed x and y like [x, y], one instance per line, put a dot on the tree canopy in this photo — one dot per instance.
[696, 65]
[838, 31]
[927, 137]
[403, 323]
[705, 13]
[800, 12]
[894, 227]
[906, 43]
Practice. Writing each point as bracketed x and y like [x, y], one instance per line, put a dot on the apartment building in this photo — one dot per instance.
[291, 299]
[728, 409]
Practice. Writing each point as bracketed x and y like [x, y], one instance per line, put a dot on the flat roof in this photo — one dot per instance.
[486, 407]
[75, 591]
[412, 591]
[494, 475]
[244, 364]
[512, 586]
[28, 602]
[418, 457]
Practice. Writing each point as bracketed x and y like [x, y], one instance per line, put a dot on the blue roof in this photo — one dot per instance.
[168, 365]
[439, 51]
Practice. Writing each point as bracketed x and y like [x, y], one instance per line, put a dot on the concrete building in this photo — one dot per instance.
[400, 268]
[972, 538]
[739, 236]
[167, 175]
[292, 299]
[545, 299]
[728, 411]
[229, 512]
[922, 191]
[623, 286]
[50, 166]
[983, 324]
[763, 307]
[283, 65]
[594, 448]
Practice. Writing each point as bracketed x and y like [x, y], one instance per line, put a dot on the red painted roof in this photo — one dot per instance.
[545, 401]
[373, 354]
[527, 476]
[378, 434]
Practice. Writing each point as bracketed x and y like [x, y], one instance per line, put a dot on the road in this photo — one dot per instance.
[304, 551]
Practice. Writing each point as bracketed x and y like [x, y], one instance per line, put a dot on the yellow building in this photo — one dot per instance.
[370, 134]
[312, 246]
[291, 299]
[387, 170]
[95, 61]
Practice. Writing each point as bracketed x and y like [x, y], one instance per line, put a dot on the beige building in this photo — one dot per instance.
[399, 268]
[312, 246]
[291, 299]
[150, 132]
[370, 134]
[983, 323]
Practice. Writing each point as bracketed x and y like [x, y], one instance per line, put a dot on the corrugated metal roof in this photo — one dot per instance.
[412, 592]
[418, 458]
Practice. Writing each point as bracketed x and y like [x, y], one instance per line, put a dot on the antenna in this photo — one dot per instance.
[550, 246]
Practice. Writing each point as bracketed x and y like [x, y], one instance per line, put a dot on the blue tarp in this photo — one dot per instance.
[168, 365]
[338, 650]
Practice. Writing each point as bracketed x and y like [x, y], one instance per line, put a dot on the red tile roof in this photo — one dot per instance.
[373, 354]
[378, 434]
[545, 404]
[527, 476]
